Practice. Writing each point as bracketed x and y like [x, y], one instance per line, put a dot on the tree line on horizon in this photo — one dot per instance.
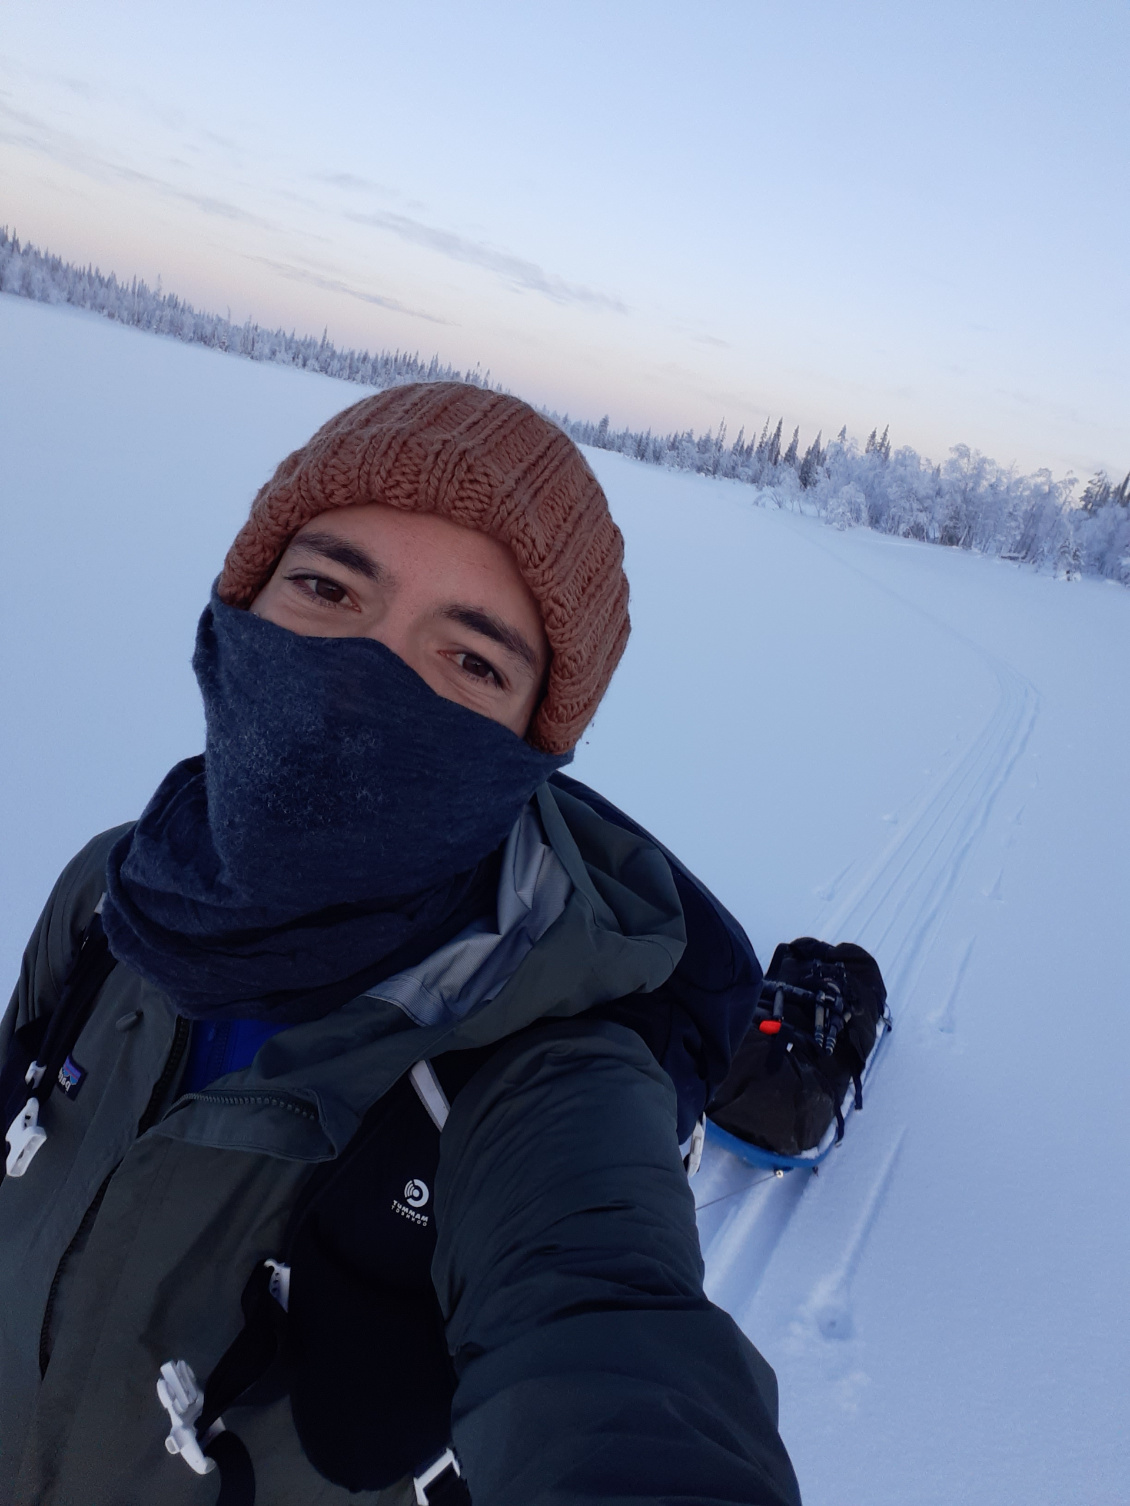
[968, 501]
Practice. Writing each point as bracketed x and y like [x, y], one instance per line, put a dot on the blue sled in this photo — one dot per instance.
[754, 1155]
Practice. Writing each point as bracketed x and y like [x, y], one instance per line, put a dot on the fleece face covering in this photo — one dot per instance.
[342, 822]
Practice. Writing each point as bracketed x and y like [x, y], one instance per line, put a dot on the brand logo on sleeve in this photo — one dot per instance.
[71, 1077]
[416, 1195]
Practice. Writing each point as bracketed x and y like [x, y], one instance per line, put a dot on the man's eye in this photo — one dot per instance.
[318, 585]
[478, 668]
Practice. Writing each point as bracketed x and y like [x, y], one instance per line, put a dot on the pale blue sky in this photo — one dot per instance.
[914, 214]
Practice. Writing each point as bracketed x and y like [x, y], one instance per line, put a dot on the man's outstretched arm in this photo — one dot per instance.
[591, 1365]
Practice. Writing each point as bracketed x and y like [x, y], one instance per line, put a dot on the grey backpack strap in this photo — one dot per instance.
[430, 1094]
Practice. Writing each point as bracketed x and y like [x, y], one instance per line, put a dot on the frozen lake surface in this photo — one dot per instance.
[845, 735]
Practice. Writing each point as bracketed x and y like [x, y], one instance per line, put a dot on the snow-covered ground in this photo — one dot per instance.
[845, 735]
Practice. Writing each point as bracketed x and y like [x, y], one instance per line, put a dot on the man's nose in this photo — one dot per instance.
[396, 630]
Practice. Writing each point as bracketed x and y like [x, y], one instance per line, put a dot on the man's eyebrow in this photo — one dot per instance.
[330, 547]
[494, 628]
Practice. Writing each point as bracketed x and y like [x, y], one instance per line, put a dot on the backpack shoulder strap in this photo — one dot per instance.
[428, 1090]
[262, 1357]
[41, 1047]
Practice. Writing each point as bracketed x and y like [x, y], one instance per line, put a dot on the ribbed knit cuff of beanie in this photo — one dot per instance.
[485, 461]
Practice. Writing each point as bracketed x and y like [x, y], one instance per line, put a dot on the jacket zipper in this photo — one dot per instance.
[148, 1119]
[165, 1081]
[229, 1096]
[48, 1312]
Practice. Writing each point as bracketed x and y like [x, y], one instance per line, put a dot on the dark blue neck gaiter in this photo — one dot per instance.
[339, 826]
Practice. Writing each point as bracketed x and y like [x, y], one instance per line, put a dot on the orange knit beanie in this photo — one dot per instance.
[484, 461]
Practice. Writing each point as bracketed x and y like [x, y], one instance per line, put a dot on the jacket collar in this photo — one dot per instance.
[618, 929]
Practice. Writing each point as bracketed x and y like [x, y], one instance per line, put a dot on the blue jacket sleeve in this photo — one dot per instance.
[591, 1367]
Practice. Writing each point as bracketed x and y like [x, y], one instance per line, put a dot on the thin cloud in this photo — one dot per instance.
[511, 269]
[350, 180]
[36, 135]
[221, 209]
[352, 183]
[335, 285]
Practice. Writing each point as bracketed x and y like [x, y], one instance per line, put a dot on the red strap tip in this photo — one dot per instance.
[769, 1027]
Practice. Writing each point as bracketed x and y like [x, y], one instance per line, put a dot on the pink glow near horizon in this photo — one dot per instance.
[667, 213]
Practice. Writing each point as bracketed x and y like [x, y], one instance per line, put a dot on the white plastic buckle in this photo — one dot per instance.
[446, 1460]
[279, 1284]
[693, 1158]
[25, 1135]
[34, 1075]
[179, 1393]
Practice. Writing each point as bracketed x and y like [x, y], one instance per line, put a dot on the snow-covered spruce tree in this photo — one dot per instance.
[1101, 528]
[810, 466]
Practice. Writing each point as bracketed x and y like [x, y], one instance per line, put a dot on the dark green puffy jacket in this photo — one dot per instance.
[590, 1365]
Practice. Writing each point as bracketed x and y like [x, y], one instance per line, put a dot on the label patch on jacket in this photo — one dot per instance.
[416, 1194]
[71, 1077]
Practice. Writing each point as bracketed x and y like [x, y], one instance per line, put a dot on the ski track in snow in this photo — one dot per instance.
[945, 1018]
[894, 908]
[829, 1308]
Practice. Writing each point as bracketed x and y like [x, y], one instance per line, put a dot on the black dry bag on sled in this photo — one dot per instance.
[822, 1008]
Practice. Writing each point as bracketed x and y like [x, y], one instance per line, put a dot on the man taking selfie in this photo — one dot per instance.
[350, 1091]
